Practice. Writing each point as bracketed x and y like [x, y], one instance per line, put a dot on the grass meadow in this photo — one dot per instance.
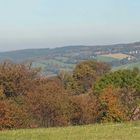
[125, 131]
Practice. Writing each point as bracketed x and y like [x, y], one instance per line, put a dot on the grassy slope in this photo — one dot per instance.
[129, 131]
[127, 66]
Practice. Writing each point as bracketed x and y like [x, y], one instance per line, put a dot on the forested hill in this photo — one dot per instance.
[27, 54]
[55, 59]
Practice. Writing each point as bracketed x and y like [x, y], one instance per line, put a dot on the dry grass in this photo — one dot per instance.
[117, 55]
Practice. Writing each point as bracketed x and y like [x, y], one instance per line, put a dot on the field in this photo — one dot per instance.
[127, 66]
[52, 65]
[128, 131]
[104, 58]
[52, 62]
[111, 57]
[117, 55]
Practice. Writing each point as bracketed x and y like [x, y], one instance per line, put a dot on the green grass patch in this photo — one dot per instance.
[104, 58]
[52, 62]
[128, 131]
[127, 66]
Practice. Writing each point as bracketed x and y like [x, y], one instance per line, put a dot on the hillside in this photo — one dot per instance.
[128, 131]
[128, 66]
[64, 58]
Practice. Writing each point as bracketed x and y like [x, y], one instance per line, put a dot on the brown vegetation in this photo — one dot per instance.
[28, 99]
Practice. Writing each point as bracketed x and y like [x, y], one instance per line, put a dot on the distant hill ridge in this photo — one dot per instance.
[31, 54]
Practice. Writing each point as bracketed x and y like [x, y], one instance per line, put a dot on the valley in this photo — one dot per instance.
[52, 61]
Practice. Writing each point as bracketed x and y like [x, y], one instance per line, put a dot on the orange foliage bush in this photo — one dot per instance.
[13, 116]
[111, 109]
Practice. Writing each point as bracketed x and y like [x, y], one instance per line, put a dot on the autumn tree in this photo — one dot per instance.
[13, 116]
[16, 79]
[70, 83]
[83, 109]
[111, 109]
[83, 76]
[86, 72]
[127, 83]
[48, 104]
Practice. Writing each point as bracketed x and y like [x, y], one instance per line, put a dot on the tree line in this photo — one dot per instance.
[92, 93]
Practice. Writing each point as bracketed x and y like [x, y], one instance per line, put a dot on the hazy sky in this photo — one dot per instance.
[54, 23]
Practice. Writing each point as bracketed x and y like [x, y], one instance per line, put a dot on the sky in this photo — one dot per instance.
[55, 23]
